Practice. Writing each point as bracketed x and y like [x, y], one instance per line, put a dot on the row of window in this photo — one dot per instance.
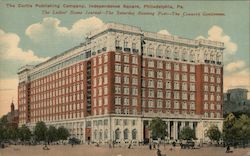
[212, 106]
[160, 104]
[212, 70]
[61, 65]
[211, 97]
[211, 79]
[100, 59]
[48, 83]
[126, 59]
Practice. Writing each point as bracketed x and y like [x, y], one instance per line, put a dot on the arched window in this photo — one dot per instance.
[159, 51]
[134, 133]
[117, 134]
[168, 53]
[150, 50]
[125, 134]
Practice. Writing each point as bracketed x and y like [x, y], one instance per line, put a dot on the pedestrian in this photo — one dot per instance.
[158, 152]
[150, 146]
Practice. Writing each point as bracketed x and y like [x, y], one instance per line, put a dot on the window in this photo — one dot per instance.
[184, 95]
[205, 106]
[134, 60]
[151, 104]
[159, 94]
[168, 85]
[168, 95]
[99, 60]
[218, 97]
[192, 78]
[151, 83]
[192, 96]
[192, 106]
[117, 79]
[205, 96]
[176, 66]
[134, 101]
[184, 67]
[105, 79]
[192, 87]
[150, 63]
[134, 81]
[159, 103]
[212, 106]
[151, 93]
[176, 76]
[126, 69]
[184, 105]
[176, 95]
[159, 74]
[211, 79]
[134, 91]
[126, 101]
[105, 70]
[105, 90]
[192, 68]
[176, 85]
[212, 70]
[134, 70]
[206, 69]
[176, 105]
[117, 100]
[168, 75]
[126, 90]
[126, 58]
[218, 70]
[205, 78]
[117, 90]
[150, 73]
[117, 68]
[168, 104]
[105, 58]
[159, 84]
[184, 77]
[218, 107]
[126, 80]
[159, 64]
[212, 88]
[184, 86]
[168, 65]
[218, 79]
[117, 58]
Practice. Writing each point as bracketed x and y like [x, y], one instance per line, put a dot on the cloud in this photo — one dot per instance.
[164, 32]
[239, 79]
[233, 66]
[216, 33]
[50, 31]
[10, 50]
[8, 91]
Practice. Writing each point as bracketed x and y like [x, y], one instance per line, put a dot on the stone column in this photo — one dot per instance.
[175, 130]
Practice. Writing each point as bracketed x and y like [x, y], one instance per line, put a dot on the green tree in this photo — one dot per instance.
[52, 134]
[40, 131]
[187, 133]
[62, 133]
[11, 133]
[158, 128]
[24, 133]
[229, 129]
[214, 133]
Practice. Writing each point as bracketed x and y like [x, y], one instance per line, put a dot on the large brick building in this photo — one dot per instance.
[113, 84]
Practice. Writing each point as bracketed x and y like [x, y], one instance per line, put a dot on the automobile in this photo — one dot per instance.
[74, 141]
[187, 144]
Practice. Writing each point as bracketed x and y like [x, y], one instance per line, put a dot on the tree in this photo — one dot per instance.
[52, 134]
[187, 133]
[40, 131]
[214, 133]
[24, 133]
[62, 133]
[158, 128]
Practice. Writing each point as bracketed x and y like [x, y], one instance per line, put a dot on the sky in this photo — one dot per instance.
[30, 35]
